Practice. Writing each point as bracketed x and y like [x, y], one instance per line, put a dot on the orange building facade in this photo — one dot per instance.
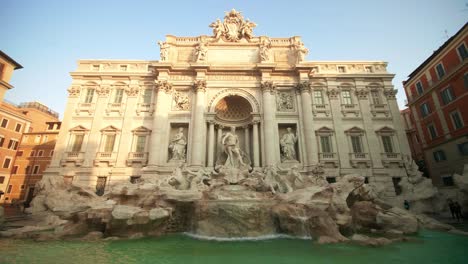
[437, 118]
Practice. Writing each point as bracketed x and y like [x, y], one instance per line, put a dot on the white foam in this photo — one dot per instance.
[258, 238]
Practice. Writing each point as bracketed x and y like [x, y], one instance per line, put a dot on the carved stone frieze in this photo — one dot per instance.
[284, 102]
[74, 91]
[268, 86]
[181, 101]
[164, 86]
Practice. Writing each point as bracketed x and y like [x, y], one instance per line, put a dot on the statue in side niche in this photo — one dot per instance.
[164, 50]
[200, 52]
[178, 145]
[265, 50]
[288, 143]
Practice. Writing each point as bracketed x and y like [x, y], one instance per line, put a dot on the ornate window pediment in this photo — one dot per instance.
[324, 131]
[141, 130]
[385, 131]
[79, 129]
[110, 129]
[355, 131]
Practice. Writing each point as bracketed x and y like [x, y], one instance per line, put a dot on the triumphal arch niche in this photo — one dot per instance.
[231, 101]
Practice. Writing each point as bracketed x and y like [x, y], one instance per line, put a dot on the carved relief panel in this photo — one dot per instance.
[285, 101]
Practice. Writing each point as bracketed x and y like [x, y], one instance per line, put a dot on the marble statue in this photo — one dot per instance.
[200, 52]
[164, 50]
[178, 145]
[230, 142]
[265, 47]
[177, 179]
[301, 50]
[294, 177]
[197, 183]
[218, 29]
[275, 181]
[247, 29]
[288, 142]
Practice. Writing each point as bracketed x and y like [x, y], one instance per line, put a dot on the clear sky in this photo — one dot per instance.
[48, 37]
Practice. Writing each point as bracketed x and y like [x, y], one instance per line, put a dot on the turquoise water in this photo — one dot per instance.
[429, 247]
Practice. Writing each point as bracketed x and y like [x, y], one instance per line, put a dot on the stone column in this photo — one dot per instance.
[268, 89]
[220, 135]
[247, 139]
[309, 133]
[256, 145]
[211, 144]
[163, 103]
[199, 126]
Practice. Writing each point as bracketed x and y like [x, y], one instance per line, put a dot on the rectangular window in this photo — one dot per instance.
[447, 95]
[19, 153]
[50, 126]
[439, 155]
[4, 123]
[325, 143]
[6, 163]
[89, 96]
[77, 142]
[419, 88]
[2, 141]
[448, 180]
[463, 148]
[37, 140]
[27, 170]
[147, 94]
[387, 144]
[9, 188]
[462, 51]
[2, 179]
[432, 131]
[13, 144]
[109, 143]
[32, 153]
[118, 96]
[456, 120]
[356, 144]
[318, 97]
[346, 97]
[440, 70]
[36, 169]
[140, 144]
[18, 127]
[51, 153]
[425, 110]
[375, 97]
[40, 153]
[465, 80]
[15, 169]
[396, 185]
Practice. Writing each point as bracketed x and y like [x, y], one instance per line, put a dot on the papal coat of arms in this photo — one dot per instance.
[234, 27]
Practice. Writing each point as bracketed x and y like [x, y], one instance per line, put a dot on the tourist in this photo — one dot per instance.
[451, 207]
[457, 210]
[406, 204]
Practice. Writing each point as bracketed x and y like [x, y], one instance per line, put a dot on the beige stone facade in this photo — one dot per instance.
[127, 118]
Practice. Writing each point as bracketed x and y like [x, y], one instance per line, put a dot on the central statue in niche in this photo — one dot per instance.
[232, 161]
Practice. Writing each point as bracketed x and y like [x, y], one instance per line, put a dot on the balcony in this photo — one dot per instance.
[137, 157]
[379, 110]
[329, 158]
[115, 107]
[359, 158]
[76, 157]
[390, 157]
[350, 110]
[85, 107]
[145, 108]
[321, 110]
[106, 157]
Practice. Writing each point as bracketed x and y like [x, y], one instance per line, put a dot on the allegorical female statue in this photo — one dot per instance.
[288, 142]
[177, 145]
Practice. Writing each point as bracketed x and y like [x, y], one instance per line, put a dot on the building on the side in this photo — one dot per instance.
[437, 114]
[413, 138]
[31, 128]
[128, 118]
[32, 158]
[7, 66]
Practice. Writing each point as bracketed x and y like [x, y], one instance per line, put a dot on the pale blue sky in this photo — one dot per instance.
[48, 37]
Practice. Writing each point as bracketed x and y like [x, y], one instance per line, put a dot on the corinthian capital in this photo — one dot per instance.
[303, 86]
[199, 85]
[74, 91]
[268, 86]
[164, 86]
